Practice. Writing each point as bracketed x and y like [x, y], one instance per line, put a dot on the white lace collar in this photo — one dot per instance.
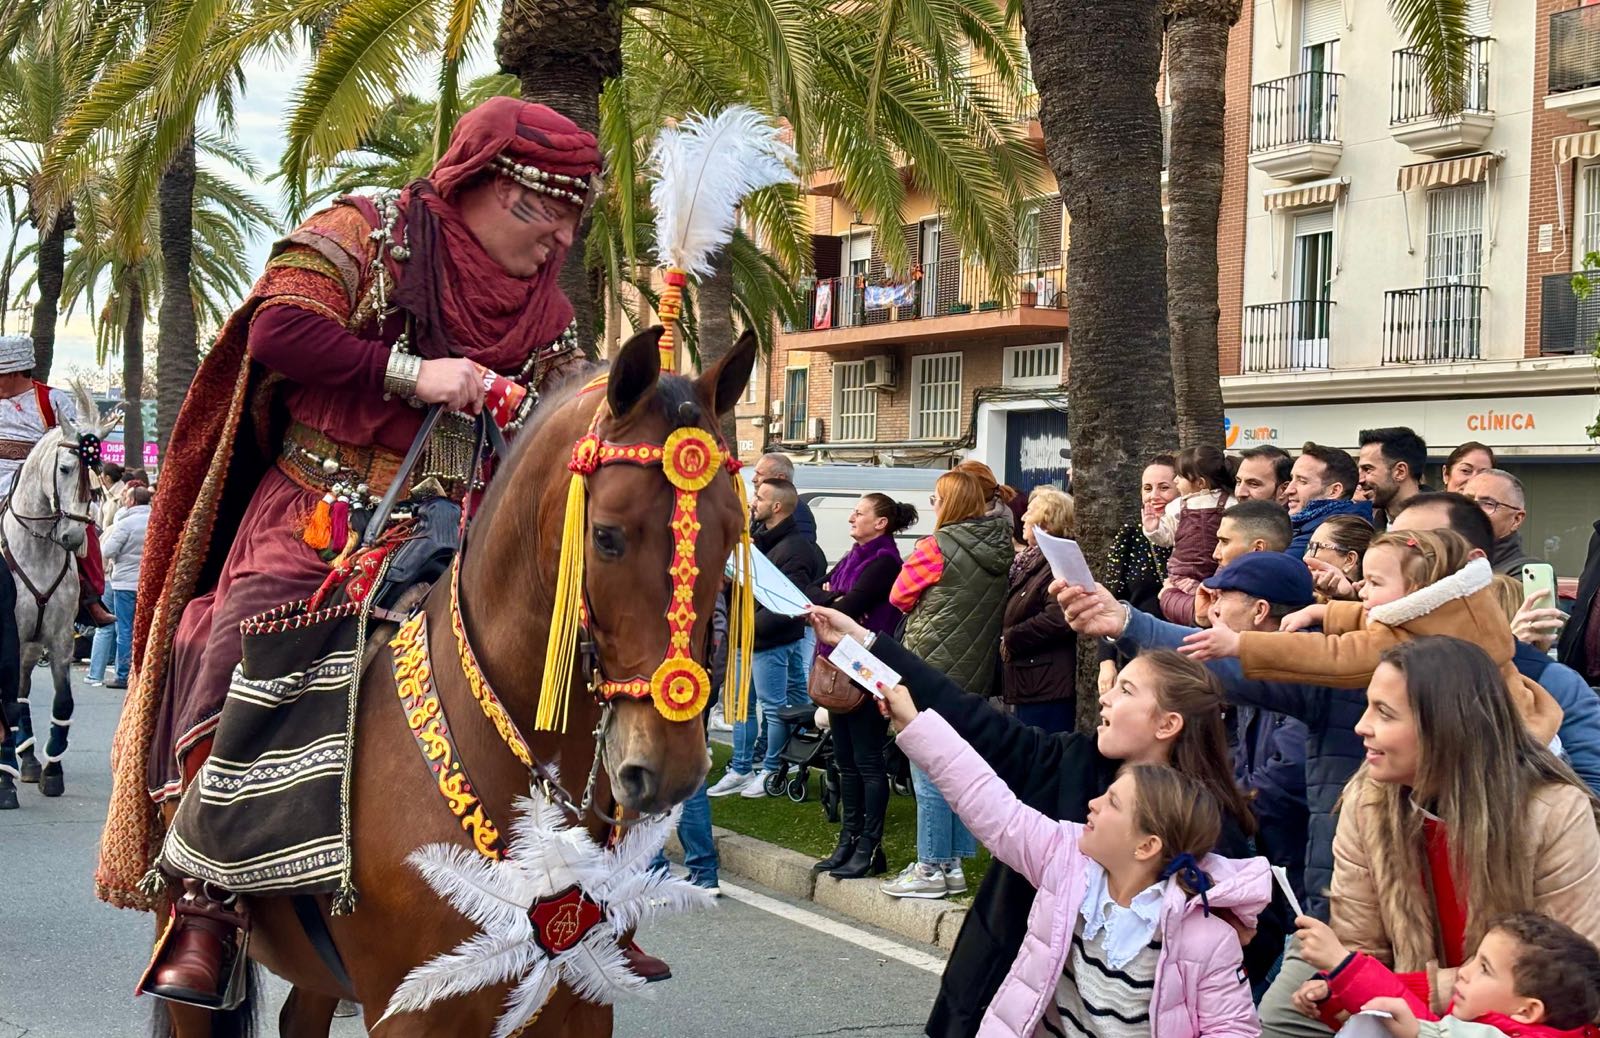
[1128, 929]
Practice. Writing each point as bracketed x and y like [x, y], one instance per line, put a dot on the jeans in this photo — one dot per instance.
[1279, 1018]
[941, 838]
[694, 832]
[122, 605]
[105, 645]
[778, 676]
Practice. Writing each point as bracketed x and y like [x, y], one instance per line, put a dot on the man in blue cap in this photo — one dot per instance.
[1296, 744]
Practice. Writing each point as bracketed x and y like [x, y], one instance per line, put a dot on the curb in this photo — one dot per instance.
[789, 872]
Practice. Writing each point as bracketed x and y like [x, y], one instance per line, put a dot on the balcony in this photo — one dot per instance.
[1433, 325]
[949, 304]
[1575, 64]
[1287, 336]
[1414, 119]
[1568, 326]
[1294, 128]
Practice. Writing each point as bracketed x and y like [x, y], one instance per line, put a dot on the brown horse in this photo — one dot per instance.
[508, 588]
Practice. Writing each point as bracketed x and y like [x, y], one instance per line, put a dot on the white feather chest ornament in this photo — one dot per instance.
[552, 911]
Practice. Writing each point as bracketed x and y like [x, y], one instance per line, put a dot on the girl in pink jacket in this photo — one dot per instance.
[1122, 939]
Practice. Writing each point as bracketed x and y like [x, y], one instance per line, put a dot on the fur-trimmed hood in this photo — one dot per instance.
[1469, 579]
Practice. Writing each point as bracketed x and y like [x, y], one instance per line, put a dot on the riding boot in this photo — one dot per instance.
[197, 955]
[850, 812]
[644, 964]
[868, 858]
[93, 613]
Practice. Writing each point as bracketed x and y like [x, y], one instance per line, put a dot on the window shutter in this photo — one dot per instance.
[1049, 233]
[949, 280]
[1314, 223]
[1321, 21]
[1478, 18]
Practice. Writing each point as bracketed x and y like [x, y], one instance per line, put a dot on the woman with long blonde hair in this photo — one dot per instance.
[1457, 817]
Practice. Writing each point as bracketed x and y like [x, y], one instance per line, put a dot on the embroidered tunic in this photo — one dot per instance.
[21, 426]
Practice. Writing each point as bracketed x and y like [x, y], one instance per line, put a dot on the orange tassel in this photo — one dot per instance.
[319, 528]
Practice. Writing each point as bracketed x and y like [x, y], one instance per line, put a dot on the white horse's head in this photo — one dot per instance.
[52, 495]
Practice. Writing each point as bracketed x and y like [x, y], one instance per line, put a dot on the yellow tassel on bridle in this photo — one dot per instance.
[562, 649]
[741, 620]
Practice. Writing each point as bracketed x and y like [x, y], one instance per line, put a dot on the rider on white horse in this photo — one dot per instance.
[28, 410]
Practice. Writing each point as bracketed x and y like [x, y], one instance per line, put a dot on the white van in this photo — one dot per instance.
[832, 491]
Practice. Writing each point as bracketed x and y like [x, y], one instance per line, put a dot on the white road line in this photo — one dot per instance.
[833, 928]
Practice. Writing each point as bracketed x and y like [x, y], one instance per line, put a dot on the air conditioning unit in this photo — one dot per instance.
[879, 373]
[777, 408]
[774, 428]
[818, 433]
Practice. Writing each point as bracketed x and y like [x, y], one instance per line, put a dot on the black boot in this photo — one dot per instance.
[841, 853]
[29, 765]
[867, 860]
[52, 783]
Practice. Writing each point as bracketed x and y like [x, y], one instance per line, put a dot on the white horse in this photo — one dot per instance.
[44, 527]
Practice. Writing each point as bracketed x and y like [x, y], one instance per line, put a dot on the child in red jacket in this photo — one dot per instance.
[1531, 977]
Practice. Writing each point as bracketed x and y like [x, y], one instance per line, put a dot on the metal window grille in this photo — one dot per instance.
[1455, 235]
[937, 396]
[1027, 367]
[855, 407]
[794, 404]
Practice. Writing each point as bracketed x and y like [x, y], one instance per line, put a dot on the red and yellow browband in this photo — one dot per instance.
[690, 458]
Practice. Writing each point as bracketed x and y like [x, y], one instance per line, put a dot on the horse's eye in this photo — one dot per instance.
[609, 541]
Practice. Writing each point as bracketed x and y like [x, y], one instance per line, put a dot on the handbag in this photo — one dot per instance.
[830, 688]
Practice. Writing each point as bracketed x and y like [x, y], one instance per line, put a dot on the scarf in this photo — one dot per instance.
[882, 618]
[1023, 564]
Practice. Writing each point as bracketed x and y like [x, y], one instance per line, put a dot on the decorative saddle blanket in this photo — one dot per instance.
[266, 812]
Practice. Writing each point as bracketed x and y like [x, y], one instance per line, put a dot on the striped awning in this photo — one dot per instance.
[1576, 146]
[1321, 192]
[1469, 169]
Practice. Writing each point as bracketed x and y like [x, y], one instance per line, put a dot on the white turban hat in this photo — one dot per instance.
[16, 353]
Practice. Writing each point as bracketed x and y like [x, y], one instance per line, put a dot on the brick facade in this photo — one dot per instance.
[1235, 194]
[1542, 204]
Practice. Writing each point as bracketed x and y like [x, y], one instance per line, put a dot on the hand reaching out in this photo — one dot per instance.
[832, 626]
[1319, 945]
[1218, 643]
[898, 706]
[1300, 619]
[1094, 612]
[1404, 1024]
[1307, 1001]
[1330, 579]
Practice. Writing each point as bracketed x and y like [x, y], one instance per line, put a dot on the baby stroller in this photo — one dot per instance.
[807, 747]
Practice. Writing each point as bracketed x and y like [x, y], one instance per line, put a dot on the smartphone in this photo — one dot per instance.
[1540, 578]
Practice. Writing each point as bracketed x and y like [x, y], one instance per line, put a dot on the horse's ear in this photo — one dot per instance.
[635, 371]
[724, 384]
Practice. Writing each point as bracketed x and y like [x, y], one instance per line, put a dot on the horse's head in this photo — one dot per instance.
[636, 517]
[52, 494]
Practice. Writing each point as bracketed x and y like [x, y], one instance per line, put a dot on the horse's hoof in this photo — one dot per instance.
[8, 794]
[51, 782]
[29, 765]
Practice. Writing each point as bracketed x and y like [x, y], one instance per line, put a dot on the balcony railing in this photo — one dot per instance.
[1432, 325]
[1567, 325]
[859, 302]
[1574, 49]
[1287, 336]
[1409, 97]
[1298, 109]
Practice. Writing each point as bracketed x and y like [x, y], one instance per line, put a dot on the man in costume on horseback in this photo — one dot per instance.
[297, 423]
[28, 410]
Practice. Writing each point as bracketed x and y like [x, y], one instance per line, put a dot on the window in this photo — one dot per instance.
[1588, 213]
[855, 407]
[1313, 278]
[1028, 239]
[754, 384]
[1455, 235]
[794, 405]
[936, 396]
[1031, 367]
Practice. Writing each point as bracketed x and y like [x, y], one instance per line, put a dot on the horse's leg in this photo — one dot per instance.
[52, 782]
[28, 762]
[306, 1014]
[10, 680]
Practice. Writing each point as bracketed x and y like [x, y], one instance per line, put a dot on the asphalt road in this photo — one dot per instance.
[758, 966]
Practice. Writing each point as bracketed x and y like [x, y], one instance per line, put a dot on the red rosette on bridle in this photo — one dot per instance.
[681, 689]
[690, 458]
[585, 455]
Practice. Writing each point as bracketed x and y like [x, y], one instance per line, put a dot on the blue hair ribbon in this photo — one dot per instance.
[1188, 871]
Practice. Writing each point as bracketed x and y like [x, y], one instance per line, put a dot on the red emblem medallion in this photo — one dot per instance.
[561, 920]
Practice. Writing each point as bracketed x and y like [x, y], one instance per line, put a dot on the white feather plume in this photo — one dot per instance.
[545, 855]
[704, 168]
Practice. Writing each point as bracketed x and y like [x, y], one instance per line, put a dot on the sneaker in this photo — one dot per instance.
[710, 886]
[718, 723]
[955, 880]
[917, 880]
[731, 782]
[757, 787]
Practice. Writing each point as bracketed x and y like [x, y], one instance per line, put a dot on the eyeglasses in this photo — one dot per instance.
[1490, 506]
[1338, 549]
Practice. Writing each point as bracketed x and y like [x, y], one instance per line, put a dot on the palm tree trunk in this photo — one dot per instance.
[1197, 60]
[1095, 66]
[714, 296]
[562, 52]
[133, 372]
[177, 348]
[11, 256]
[51, 260]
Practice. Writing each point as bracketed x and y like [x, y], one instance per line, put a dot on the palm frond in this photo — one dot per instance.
[1437, 30]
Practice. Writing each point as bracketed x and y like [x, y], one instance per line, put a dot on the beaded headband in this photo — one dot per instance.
[579, 191]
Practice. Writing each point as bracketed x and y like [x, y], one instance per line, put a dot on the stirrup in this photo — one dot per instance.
[233, 990]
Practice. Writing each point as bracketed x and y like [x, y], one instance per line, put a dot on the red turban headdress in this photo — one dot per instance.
[464, 303]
